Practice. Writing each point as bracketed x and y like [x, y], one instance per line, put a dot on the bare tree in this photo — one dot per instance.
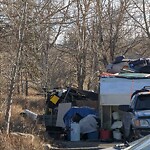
[95, 32]
[78, 40]
[139, 12]
[16, 66]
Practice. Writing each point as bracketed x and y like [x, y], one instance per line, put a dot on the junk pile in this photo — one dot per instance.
[82, 123]
[57, 95]
[60, 111]
[121, 64]
[124, 75]
[74, 124]
[61, 104]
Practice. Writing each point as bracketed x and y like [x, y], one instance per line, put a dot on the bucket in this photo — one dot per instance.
[105, 135]
[93, 135]
[75, 132]
[117, 135]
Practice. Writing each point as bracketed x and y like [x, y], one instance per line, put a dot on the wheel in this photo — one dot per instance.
[128, 135]
[131, 136]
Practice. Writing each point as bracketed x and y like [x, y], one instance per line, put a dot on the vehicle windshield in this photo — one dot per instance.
[143, 102]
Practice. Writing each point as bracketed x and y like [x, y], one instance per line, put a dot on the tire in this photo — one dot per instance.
[129, 137]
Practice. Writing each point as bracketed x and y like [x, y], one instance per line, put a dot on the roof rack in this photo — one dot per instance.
[144, 89]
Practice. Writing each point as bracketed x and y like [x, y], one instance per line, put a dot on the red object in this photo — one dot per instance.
[106, 74]
[105, 134]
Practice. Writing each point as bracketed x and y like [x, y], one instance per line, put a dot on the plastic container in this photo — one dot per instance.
[117, 135]
[116, 125]
[75, 132]
[115, 115]
[105, 135]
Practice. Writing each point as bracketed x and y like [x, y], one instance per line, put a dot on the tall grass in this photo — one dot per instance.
[10, 142]
[19, 124]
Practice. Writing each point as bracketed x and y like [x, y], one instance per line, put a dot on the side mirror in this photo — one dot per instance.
[125, 108]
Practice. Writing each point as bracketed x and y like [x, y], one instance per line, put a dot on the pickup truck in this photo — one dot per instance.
[136, 115]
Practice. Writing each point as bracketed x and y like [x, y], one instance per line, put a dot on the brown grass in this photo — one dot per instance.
[34, 103]
[10, 142]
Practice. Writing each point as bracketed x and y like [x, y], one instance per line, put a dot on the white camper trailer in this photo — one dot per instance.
[115, 90]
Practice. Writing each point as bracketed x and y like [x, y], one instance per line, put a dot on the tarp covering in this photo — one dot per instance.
[141, 65]
[83, 111]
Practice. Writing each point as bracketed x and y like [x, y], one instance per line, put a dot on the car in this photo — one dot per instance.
[140, 144]
[136, 116]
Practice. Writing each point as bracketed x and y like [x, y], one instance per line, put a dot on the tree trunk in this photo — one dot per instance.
[26, 85]
[15, 68]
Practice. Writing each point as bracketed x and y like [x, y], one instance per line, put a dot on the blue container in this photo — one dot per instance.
[93, 135]
[75, 132]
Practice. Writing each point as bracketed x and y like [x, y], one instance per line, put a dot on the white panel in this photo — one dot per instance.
[62, 109]
[117, 91]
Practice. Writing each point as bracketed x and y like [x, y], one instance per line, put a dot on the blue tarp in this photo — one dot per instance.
[83, 111]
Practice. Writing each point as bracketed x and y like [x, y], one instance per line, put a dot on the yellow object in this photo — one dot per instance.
[54, 99]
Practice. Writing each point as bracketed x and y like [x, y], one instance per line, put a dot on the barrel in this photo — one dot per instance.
[75, 132]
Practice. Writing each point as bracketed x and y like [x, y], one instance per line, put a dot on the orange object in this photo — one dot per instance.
[106, 74]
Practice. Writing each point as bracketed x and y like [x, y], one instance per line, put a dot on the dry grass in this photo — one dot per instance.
[10, 142]
[33, 102]
[19, 124]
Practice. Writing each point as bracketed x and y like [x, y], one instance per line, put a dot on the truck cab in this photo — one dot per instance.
[136, 116]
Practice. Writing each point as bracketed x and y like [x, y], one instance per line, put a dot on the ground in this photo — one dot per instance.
[87, 145]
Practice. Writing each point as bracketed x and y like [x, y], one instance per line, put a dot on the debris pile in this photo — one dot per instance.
[121, 64]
